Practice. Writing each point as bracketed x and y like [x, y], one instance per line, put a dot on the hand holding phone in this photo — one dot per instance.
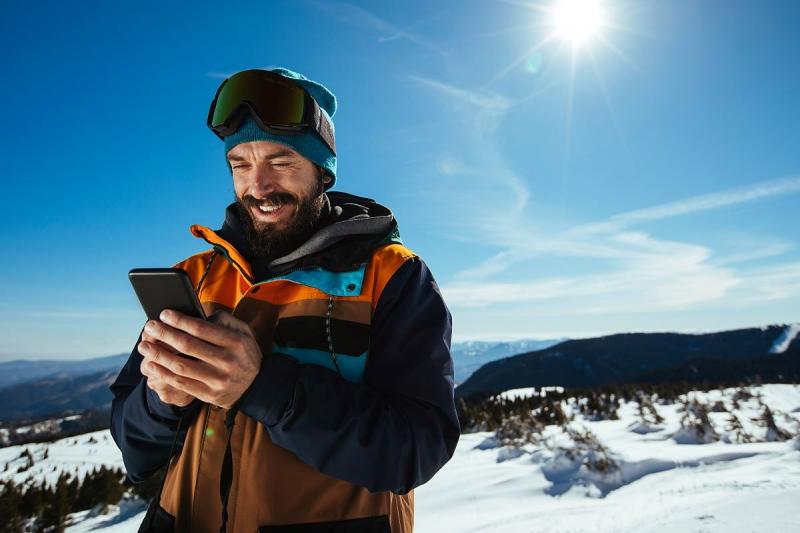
[159, 289]
[165, 288]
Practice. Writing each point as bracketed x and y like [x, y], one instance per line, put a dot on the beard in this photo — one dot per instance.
[267, 240]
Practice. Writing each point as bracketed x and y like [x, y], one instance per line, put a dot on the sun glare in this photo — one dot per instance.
[577, 21]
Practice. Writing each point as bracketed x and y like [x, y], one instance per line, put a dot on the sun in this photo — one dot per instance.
[577, 21]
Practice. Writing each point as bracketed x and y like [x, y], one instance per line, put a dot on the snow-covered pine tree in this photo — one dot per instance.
[696, 426]
[735, 431]
[648, 413]
[590, 451]
[767, 420]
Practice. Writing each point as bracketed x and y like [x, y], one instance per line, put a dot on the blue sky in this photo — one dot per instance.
[648, 181]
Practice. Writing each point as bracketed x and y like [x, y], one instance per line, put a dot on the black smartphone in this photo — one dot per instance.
[165, 288]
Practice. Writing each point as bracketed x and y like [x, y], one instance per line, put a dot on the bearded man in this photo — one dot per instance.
[321, 390]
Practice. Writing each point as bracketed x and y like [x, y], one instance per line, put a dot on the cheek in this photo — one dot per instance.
[240, 185]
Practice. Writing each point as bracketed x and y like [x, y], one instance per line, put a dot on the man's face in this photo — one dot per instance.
[278, 193]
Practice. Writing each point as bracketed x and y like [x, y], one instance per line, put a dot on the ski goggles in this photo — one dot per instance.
[277, 104]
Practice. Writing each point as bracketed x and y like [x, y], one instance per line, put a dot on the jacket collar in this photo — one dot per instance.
[355, 224]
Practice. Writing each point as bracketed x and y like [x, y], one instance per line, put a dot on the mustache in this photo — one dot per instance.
[273, 198]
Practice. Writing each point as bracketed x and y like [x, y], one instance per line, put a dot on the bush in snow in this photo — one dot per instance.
[517, 430]
[735, 432]
[599, 406]
[742, 394]
[696, 427]
[719, 407]
[590, 451]
[767, 420]
[647, 411]
[551, 412]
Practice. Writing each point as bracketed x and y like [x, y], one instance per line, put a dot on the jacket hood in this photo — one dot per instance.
[356, 224]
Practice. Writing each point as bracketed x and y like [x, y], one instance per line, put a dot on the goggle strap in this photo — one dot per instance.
[323, 127]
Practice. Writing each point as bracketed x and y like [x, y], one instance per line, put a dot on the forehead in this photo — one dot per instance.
[260, 150]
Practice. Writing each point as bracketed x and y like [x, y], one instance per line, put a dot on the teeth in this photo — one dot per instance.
[269, 208]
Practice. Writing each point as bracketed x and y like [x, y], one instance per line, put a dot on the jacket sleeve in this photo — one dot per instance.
[397, 428]
[142, 425]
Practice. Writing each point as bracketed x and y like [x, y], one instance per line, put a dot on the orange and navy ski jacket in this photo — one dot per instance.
[352, 407]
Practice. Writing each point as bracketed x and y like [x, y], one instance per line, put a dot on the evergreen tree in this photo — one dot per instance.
[10, 503]
[88, 492]
[56, 508]
[33, 500]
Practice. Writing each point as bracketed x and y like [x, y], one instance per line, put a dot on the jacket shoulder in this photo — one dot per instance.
[195, 265]
[385, 261]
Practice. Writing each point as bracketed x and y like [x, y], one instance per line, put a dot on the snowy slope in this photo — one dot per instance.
[661, 485]
[782, 343]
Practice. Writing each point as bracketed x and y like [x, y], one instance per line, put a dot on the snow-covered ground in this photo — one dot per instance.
[661, 485]
[658, 485]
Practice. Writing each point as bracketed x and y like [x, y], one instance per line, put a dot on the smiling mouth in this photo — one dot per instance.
[270, 212]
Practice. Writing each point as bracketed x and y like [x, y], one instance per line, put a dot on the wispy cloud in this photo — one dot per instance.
[484, 100]
[619, 269]
[695, 204]
[360, 17]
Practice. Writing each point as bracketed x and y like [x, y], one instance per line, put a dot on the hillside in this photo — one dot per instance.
[767, 353]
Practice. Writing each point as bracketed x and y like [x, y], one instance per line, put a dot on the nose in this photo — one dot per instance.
[265, 181]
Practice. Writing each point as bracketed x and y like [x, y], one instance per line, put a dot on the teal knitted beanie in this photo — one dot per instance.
[308, 144]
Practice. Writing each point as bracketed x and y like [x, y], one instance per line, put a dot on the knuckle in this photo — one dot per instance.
[239, 342]
[183, 344]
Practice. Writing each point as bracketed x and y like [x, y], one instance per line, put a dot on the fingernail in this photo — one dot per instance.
[149, 327]
[166, 315]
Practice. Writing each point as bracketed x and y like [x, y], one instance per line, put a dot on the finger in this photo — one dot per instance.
[149, 338]
[145, 368]
[179, 364]
[202, 329]
[198, 389]
[178, 341]
[168, 394]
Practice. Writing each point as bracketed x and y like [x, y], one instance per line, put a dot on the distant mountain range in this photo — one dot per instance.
[469, 356]
[31, 390]
[771, 353]
[23, 370]
[59, 395]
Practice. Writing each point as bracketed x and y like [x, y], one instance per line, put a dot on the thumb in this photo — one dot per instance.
[224, 318]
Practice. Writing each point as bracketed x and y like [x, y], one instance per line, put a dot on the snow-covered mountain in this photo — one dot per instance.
[620, 475]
